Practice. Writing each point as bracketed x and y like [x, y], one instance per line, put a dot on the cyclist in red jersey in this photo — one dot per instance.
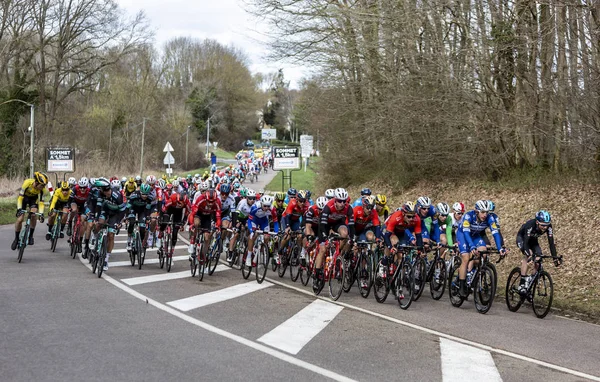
[311, 228]
[178, 205]
[337, 216]
[290, 219]
[405, 224]
[206, 209]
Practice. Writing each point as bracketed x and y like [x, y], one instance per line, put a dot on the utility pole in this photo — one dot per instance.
[207, 135]
[187, 136]
[143, 134]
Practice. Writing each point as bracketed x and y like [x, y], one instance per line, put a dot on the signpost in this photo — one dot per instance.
[61, 159]
[268, 134]
[169, 159]
[286, 159]
[306, 142]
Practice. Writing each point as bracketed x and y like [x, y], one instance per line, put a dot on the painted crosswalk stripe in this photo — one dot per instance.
[125, 250]
[166, 276]
[462, 362]
[146, 261]
[292, 335]
[194, 302]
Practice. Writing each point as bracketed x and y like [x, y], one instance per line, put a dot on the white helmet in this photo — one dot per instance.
[72, 181]
[266, 200]
[340, 193]
[175, 183]
[162, 184]
[124, 179]
[151, 179]
[443, 208]
[251, 193]
[423, 201]
[329, 193]
[138, 178]
[83, 182]
[321, 202]
[458, 207]
[204, 186]
[115, 184]
[196, 175]
[198, 180]
[482, 205]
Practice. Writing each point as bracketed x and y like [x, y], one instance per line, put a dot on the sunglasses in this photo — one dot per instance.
[424, 208]
[409, 217]
[443, 216]
[340, 201]
[251, 198]
[544, 225]
[104, 189]
[459, 213]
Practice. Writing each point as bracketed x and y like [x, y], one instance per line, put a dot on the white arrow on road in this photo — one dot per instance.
[169, 159]
[168, 148]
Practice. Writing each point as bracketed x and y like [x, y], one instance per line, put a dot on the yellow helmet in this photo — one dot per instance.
[64, 186]
[279, 196]
[381, 200]
[131, 180]
[40, 177]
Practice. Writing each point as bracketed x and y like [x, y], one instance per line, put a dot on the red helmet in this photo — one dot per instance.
[211, 196]
[113, 178]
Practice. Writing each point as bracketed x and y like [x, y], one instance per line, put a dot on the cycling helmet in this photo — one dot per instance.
[329, 193]
[365, 191]
[236, 185]
[543, 216]
[169, 186]
[131, 180]
[243, 192]
[116, 184]
[151, 179]
[408, 207]
[266, 201]
[225, 189]
[308, 194]
[83, 182]
[423, 201]
[443, 208]
[302, 195]
[458, 207]
[64, 186]
[161, 183]
[279, 196]
[175, 183]
[145, 189]
[381, 200]
[321, 202]
[292, 192]
[138, 179]
[198, 180]
[40, 177]
[491, 205]
[102, 183]
[189, 176]
[113, 178]
[92, 181]
[72, 181]
[482, 205]
[251, 193]
[211, 196]
[369, 201]
[196, 175]
[124, 179]
[340, 193]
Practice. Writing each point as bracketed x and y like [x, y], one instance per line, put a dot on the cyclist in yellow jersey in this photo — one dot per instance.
[382, 208]
[60, 201]
[31, 196]
[130, 186]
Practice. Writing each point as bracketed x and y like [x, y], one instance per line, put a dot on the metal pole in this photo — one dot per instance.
[109, 142]
[187, 135]
[142, 158]
[207, 135]
[32, 121]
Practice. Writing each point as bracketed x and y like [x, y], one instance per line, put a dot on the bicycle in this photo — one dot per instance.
[437, 274]
[333, 270]
[240, 247]
[55, 234]
[262, 256]
[294, 248]
[100, 250]
[481, 280]
[199, 260]
[401, 282]
[75, 240]
[539, 284]
[25, 232]
[274, 248]
[363, 268]
[165, 252]
[307, 267]
[214, 252]
[138, 247]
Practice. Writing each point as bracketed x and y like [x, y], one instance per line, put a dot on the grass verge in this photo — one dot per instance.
[8, 207]
[300, 180]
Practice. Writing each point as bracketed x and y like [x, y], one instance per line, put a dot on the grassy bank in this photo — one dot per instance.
[8, 207]
[300, 180]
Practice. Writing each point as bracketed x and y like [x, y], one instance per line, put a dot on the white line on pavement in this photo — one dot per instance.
[194, 302]
[146, 261]
[213, 329]
[165, 276]
[125, 250]
[292, 335]
[462, 362]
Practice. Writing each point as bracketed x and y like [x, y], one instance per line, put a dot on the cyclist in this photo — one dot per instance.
[31, 195]
[363, 194]
[123, 181]
[91, 210]
[79, 196]
[291, 194]
[280, 204]
[425, 210]
[157, 200]
[404, 227]
[138, 181]
[337, 216]
[130, 186]
[72, 182]
[311, 228]
[381, 207]
[206, 209]
[60, 201]
[261, 215]
[140, 205]
[227, 206]
[295, 210]
[468, 236]
[441, 226]
[527, 241]
[112, 211]
[241, 213]
[496, 220]
[178, 206]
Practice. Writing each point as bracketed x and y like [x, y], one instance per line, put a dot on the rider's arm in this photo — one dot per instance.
[466, 229]
[449, 231]
[350, 218]
[54, 200]
[495, 232]
[551, 242]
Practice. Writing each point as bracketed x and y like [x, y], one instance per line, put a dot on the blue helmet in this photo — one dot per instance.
[491, 206]
[225, 188]
[543, 216]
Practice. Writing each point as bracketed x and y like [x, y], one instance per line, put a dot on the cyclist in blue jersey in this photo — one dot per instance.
[425, 210]
[260, 217]
[363, 194]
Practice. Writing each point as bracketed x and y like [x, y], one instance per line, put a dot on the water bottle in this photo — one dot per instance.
[470, 276]
[527, 281]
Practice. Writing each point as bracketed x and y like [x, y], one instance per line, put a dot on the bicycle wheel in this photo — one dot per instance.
[437, 284]
[420, 276]
[381, 288]
[305, 274]
[139, 249]
[102, 257]
[365, 273]
[513, 298]
[74, 241]
[169, 257]
[165, 249]
[543, 293]
[275, 248]
[283, 262]
[295, 263]
[453, 288]
[405, 288]
[262, 263]
[193, 266]
[214, 256]
[336, 279]
[484, 286]
[24, 238]
[349, 275]
[132, 253]
[201, 261]
[55, 233]
[246, 270]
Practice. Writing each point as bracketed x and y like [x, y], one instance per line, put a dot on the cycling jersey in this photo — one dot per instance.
[28, 191]
[331, 217]
[227, 205]
[137, 203]
[445, 227]
[384, 213]
[470, 229]
[364, 221]
[357, 202]
[260, 218]
[279, 207]
[59, 199]
[527, 238]
[295, 210]
[396, 225]
[243, 209]
[179, 202]
[203, 207]
[80, 195]
[431, 212]
[312, 215]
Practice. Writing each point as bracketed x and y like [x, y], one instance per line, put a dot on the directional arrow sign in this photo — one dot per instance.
[169, 159]
[168, 148]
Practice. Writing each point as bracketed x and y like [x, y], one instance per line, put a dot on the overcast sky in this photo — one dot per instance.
[221, 20]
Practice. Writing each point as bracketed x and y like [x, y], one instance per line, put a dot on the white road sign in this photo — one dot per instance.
[267, 134]
[169, 160]
[168, 148]
[306, 142]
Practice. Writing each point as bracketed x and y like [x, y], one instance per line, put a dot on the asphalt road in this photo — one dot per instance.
[60, 322]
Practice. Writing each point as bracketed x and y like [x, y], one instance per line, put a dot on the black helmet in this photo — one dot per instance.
[365, 192]
[292, 192]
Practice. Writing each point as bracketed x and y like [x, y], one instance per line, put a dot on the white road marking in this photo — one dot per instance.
[165, 276]
[213, 329]
[462, 362]
[194, 302]
[292, 335]
[124, 250]
[146, 261]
